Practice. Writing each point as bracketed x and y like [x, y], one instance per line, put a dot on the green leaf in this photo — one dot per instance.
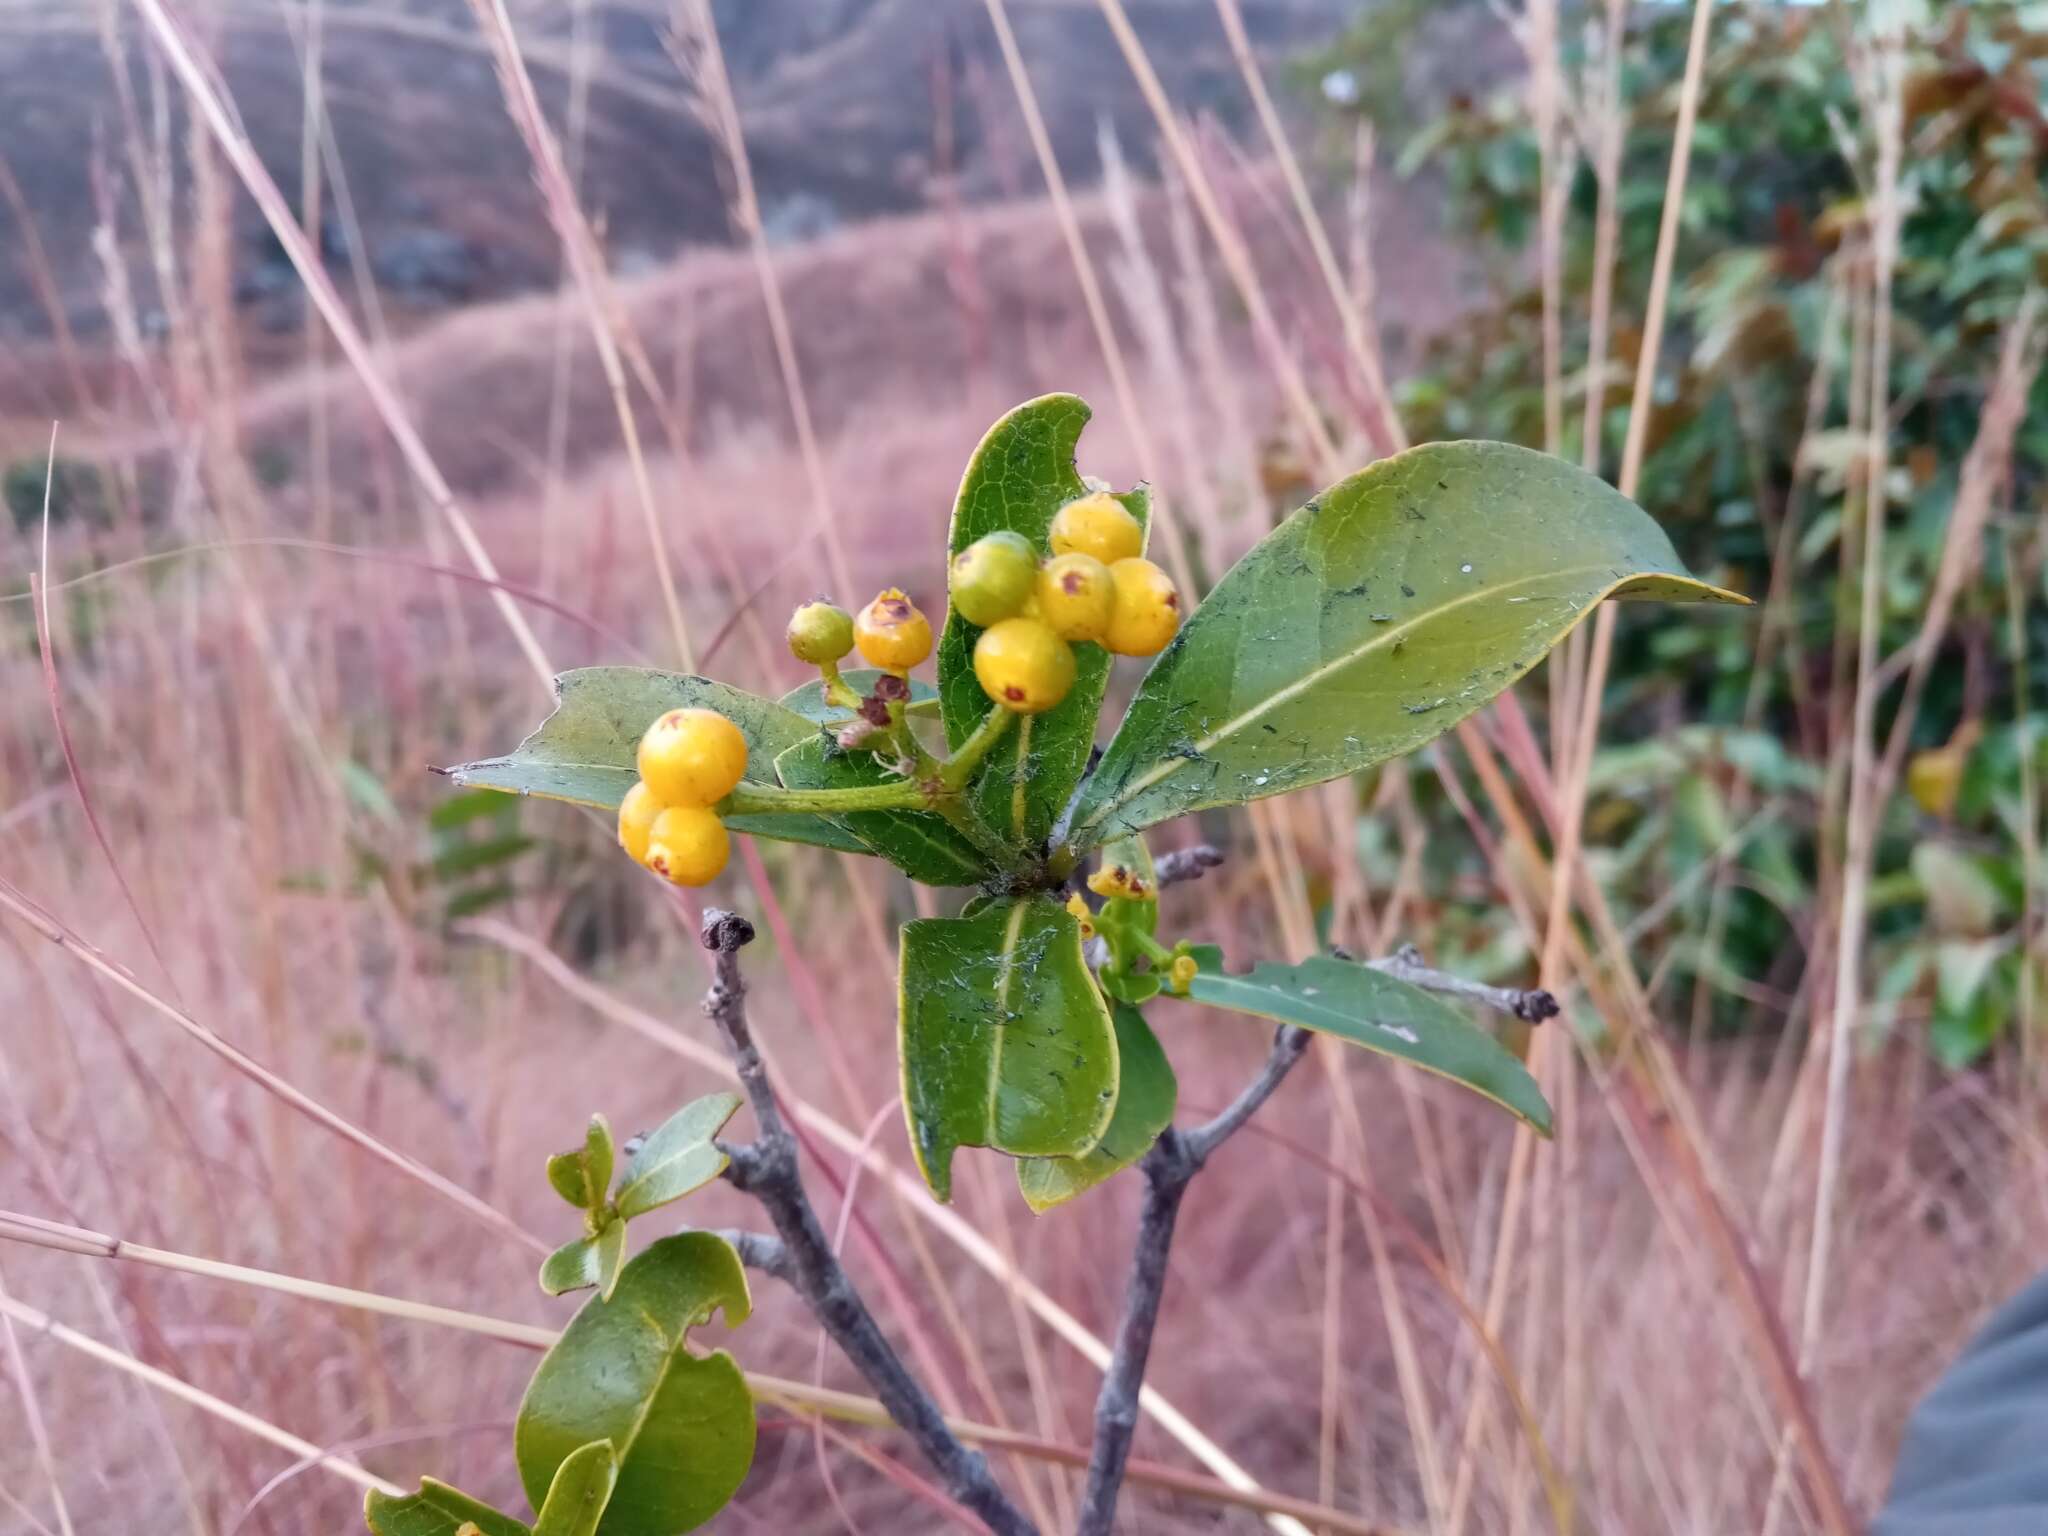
[1021, 474]
[572, 1267]
[809, 700]
[1147, 1093]
[582, 1175]
[1375, 618]
[677, 1158]
[1005, 1041]
[681, 1424]
[582, 1488]
[923, 844]
[1368, 1008]
[585, 751]
[436, 1510]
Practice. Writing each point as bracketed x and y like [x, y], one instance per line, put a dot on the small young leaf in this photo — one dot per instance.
[1374, 619]
[1021, 474]
[680, 1424]
[571, 1267]
[582, 1176]
[1004, 1040]
[677, 1158]
[610, 1243]
[809, 700]
[920, 843]
[1146, 1095]
[436, 1510]
[1369, 1008]
[582, 1488]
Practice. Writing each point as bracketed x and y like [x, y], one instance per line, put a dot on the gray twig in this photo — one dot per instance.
[1185, 864]
[767, 1169]
[1531, 1004]
[1176, 1157]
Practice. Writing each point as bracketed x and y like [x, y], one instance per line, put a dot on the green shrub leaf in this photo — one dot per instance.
[680, 1424]
[584, 752]
[1375, 618]
[923, 844]
[1021, 474]
[1369, 1008]
[582, 1488]
[572, 1267]
[1146, 1095]
[436, 1510]
[677, 1158]
[1005, 1041]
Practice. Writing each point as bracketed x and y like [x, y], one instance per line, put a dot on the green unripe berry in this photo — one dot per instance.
[820, 633]
[992, 577]
[1023, 665]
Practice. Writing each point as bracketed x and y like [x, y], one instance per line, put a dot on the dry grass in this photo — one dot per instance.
[251, 721]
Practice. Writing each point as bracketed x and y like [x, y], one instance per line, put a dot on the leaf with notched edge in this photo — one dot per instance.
[1375, 618]
[1019, 477]
[1004, 1040]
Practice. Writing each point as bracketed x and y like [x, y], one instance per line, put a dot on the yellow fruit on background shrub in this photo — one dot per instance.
[820, 632]
[1097, 525]
[688, 845]
[1076, 596]
[1023, 665]
[636, 816]
[1146, 611]
[992, 577]
[891, 633]
[692, 757]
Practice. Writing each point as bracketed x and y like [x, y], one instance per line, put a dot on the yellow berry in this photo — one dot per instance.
[1121, 881]
[692, 757]
[992, 577]
[891, 633]
[1023, 665]
[1076, 596]
[1147, 609]
[636, 816]
[1097, 525]
[820, 632]
[1082, 915]
[1180, 974]
[687, 845]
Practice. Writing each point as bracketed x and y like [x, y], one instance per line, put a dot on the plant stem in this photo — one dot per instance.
[959, 768]
[1176, 1157]
[767, 1170]
[754, 799]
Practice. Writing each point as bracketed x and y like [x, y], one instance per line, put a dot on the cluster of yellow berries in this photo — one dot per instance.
[689, 760]
[1096, 586]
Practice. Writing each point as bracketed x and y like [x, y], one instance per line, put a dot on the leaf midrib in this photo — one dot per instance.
[1167, 767]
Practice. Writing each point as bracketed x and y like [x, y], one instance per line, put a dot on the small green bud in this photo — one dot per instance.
[820, 632]
[993, 577]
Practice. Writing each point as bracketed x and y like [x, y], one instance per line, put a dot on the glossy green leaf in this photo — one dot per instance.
[1368, 1008]
[681, 1424]
[1147, 1093]
[923, 844]
[809, 700]
[582, 1176]
[677, 1158]
[585, 751]
[586, 1261]
[582, 1488]
[1375, 618]
[1004, 1040]
[1020, 475]
[436, 1510]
